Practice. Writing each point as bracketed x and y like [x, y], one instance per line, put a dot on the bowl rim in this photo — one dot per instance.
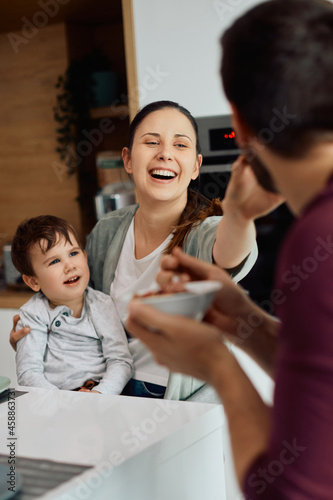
[215, 287]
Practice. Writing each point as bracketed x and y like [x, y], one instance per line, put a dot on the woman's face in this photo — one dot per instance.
[163, 159]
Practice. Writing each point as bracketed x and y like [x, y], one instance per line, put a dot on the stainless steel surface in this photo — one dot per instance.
[209, 169]
[12, 277]
[113, 197]
[211, 134]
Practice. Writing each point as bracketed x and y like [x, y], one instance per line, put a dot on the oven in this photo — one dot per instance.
[219, 151]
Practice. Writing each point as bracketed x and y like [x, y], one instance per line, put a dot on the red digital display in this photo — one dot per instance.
[221, 139]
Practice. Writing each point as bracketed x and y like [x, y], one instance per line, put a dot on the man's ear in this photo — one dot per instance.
[242, 130]
[32, 282]
[127, 160]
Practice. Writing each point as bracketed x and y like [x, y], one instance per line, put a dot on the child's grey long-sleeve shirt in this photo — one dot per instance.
[62, 351]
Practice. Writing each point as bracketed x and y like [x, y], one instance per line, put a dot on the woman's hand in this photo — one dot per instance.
[244, 195]
[244, 201]
[15, 336]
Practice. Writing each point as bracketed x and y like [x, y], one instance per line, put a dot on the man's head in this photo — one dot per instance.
[277, 71]
[47, 252]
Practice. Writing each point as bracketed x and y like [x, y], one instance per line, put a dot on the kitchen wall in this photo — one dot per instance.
[30, 184]
[7, 354]
[178, 53]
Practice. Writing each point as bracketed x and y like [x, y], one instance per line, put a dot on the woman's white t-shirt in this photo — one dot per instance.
[133, 275]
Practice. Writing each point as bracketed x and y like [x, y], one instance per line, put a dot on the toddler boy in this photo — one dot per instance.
[76, 340]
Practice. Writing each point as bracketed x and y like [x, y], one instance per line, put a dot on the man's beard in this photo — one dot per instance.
[264, 178]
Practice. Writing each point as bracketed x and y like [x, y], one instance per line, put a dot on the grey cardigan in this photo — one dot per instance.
[104, 247]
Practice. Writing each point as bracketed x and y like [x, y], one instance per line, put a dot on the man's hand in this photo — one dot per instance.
[15, 336]
[232, 311]
[182, 344]
[197, 349]
[230, 303]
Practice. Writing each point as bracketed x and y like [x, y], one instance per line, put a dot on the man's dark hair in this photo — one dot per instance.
[31, 231]
[277, 68]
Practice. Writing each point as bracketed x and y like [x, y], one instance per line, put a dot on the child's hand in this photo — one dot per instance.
[88, 386]
[84, 389]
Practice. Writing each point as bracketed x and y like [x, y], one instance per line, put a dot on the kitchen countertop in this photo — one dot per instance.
[138, 448]
[14, 299]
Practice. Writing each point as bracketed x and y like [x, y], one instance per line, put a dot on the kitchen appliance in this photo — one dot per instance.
[219, 151]
[13, 278]
[217, 139]
[114, 196]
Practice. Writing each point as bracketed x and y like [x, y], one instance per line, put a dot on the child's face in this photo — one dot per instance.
[61, 273]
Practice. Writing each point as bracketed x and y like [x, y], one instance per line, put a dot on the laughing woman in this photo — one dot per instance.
[125, 247]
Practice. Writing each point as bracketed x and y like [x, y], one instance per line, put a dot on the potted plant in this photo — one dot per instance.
[80, 90]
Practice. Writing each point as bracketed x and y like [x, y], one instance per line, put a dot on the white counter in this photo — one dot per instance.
[141, 448]
[84, 424]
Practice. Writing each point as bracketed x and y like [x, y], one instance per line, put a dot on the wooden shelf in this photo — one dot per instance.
[110, 112]
[14, 299]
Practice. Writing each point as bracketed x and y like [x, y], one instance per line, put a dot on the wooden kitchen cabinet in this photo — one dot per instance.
[108, 127]
[115, 37]
[30, 185]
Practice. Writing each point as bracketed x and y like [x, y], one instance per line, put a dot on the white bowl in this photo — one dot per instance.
[193, 303]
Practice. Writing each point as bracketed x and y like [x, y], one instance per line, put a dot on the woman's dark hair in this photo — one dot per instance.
[156, 106]
[31, 231]
[277, 68]
[198, 207]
